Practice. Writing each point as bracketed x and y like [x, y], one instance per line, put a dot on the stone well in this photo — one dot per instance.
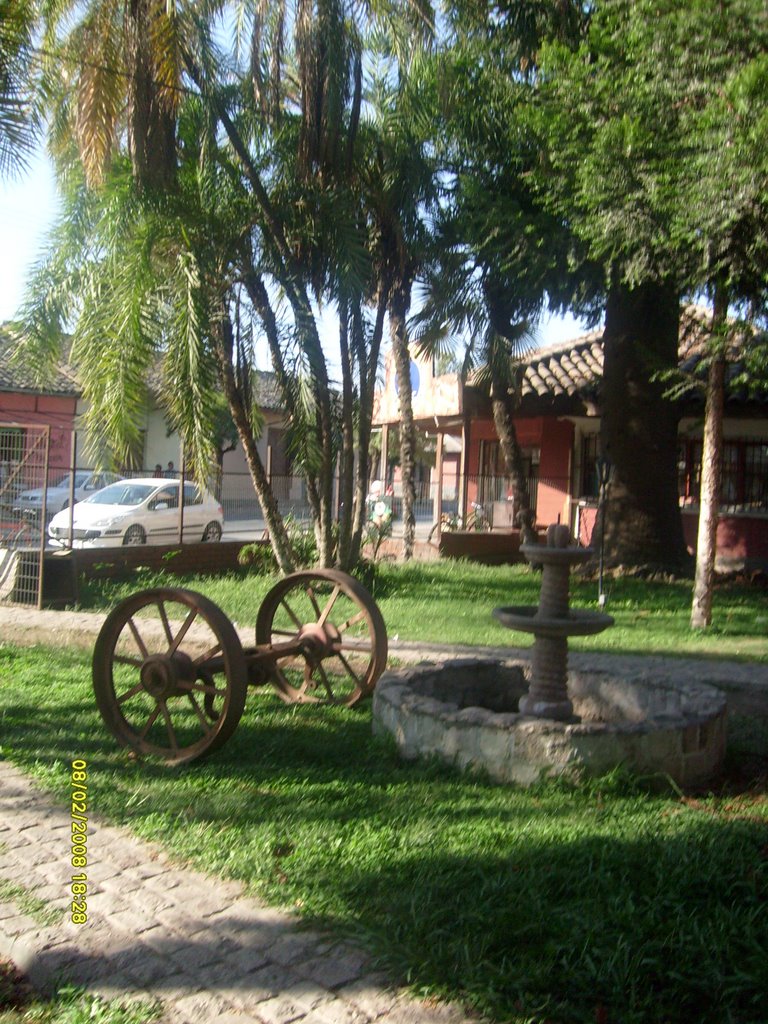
[467, 713]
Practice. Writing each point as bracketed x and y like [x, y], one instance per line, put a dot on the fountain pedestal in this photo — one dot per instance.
[552, 622]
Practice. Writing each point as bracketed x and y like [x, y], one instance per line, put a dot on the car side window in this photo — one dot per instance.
[192, 495]
[168, 497]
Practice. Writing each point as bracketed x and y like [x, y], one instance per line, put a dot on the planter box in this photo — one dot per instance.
[62, 569]
[497, 547]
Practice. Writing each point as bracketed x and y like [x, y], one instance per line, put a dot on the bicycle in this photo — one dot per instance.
[477, 519]
[18, 533]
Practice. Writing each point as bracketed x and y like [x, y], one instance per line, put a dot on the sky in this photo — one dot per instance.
[28, 209]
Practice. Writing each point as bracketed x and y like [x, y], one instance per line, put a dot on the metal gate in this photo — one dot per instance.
[23, 488]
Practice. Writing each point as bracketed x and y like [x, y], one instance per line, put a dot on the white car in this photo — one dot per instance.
[86, 483]
[143, 511]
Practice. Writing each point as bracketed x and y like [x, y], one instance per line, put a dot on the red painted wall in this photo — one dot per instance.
[741, 540]
[529, 434]
[554, 471]
[56, 411]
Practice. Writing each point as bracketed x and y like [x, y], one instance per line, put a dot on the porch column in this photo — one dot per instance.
[464, 483]
[383, 454]
[438, 510]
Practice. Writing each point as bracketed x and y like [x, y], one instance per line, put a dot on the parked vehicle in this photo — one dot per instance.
[86, 483]
[142, 511]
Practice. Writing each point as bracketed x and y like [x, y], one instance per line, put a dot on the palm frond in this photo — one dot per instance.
[99, 90]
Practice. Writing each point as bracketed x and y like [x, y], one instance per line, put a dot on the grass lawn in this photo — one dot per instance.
[592, 903]
[20, 1005]
[452, 601]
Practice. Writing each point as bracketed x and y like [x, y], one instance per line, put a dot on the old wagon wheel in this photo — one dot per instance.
[339, 632]
[169, 674]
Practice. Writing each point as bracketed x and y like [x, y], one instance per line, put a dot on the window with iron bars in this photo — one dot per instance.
[744, 484]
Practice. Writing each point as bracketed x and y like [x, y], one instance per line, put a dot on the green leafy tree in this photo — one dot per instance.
[722, 223]
[643, 139]
[610, 120]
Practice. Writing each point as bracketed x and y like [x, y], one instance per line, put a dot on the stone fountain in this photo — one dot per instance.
[518, 720]
[551, 624]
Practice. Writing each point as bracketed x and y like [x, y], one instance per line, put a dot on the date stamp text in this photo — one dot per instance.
[79, 783]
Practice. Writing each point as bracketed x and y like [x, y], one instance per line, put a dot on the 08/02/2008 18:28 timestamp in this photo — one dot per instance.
[79, 884]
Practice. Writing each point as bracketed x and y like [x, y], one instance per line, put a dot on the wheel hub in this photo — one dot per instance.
[318, 640]
[161, 674]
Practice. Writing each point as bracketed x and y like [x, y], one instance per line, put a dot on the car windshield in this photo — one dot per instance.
[124, 493]
[63, 481]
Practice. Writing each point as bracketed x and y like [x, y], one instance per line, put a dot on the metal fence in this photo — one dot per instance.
[23, 486]
[31, 492]
[242, 510]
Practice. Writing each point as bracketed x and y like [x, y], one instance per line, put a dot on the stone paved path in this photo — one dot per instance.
[157, 931]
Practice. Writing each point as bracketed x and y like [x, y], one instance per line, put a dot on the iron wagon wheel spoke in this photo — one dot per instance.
[284, 685]
[183, 631]
[150, 722]
[216, 649]
[130, 693]
[137, 637]
[329, 605]
[350, 670]
[200, 716]
[310, 592]
[169, 726]
[125, 659]
[358, 646]
[166, 623]
[326, 684]
[353, 621]
[292, 614]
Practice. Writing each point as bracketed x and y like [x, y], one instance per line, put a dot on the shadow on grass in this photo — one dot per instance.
[560, 903]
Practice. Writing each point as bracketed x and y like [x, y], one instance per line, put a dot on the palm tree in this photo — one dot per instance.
[116, 66]
[18, 112]
[401, 188]
[465, 301]
[257, 201]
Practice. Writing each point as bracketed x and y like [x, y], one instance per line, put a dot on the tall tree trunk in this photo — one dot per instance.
[711, 470]
[278, 536]
[367, 358]
[639, 428]
[502, 404]
[151, 123]
[347, 455]
[398, 308]
[319, 479]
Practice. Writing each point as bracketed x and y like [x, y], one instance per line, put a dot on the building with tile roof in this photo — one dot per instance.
[558, 426]
[25, 407]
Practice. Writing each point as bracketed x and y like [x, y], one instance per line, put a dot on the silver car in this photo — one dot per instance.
[86, 483]
[142, 511]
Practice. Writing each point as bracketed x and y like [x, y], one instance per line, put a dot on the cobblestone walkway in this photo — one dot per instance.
[160, 932]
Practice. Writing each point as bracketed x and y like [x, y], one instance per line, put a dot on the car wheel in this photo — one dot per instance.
[212, 532]
[134, 535]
